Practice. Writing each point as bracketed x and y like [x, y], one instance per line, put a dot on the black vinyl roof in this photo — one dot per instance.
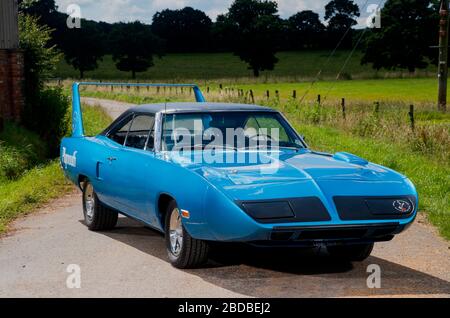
[197, 107]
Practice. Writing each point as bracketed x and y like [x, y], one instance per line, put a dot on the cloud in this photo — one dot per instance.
[288, 8]
[143, 10]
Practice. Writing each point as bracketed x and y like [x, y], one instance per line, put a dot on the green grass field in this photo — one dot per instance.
[201, 67]
[413, 91]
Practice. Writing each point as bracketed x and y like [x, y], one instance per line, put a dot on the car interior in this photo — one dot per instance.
[136, 132]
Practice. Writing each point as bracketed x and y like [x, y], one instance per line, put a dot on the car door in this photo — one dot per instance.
[127, 166]
[112, 143]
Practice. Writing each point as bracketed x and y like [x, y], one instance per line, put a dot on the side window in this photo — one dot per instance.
[140, 132]
[119, 134]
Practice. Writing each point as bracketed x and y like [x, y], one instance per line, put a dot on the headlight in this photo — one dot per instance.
[308, 209]
[268, 210]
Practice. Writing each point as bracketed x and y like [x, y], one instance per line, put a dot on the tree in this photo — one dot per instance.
[45, 108]
[408, 29]
[185, 30]
[305, 30]
[47, 13]
[256, 28]
[133, 45]
[84, 47]
[40, 8]
[341, 16]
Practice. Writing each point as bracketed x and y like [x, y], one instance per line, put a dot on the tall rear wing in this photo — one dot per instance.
[77, 116]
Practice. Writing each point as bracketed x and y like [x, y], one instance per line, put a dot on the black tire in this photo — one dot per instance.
[351, 253]
[193, 253]
[100, 218]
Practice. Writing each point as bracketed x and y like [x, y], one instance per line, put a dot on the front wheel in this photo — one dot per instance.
[351, 253]
[184, 251]
[96, 216]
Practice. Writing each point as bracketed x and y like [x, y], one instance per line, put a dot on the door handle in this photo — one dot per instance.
[111, 159]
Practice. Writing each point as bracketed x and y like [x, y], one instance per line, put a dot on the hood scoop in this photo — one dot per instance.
[350, 158]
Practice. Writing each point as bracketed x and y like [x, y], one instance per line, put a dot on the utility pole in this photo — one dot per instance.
[443, 54]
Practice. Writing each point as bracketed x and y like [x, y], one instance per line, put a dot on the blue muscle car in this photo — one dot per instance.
[209, 172]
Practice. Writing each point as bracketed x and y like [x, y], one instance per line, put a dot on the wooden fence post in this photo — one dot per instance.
[294, 94]
[377, 108]
[343, 108]
[319, 99]
[411, 117]
[267, 94]
[252, 96]
[277, 94]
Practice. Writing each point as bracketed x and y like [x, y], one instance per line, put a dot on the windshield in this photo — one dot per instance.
[228, 130]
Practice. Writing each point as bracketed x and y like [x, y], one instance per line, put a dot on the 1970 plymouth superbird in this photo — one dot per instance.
[202, 172]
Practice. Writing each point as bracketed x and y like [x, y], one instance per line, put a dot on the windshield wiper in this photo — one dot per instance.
[203, 146]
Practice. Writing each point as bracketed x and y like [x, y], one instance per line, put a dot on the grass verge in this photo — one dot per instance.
[43, 183]
[35, 187]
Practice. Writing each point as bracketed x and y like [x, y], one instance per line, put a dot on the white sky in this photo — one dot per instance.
[143, 10]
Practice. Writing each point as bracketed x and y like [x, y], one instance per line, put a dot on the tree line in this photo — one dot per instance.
[252, 30]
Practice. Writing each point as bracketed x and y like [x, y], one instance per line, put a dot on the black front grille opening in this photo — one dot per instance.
[332, 234]
[281, 236]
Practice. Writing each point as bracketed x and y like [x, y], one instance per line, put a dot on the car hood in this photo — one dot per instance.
[263, 171]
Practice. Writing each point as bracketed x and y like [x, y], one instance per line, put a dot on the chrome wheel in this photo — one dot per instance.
[176, 232]
[89, 201]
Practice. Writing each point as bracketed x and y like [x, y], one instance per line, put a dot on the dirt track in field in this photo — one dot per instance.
[130, 261]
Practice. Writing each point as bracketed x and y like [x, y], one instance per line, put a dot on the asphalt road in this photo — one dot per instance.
[131, 261]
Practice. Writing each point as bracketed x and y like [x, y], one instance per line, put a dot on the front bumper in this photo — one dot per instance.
[229, 221]
[310, 236]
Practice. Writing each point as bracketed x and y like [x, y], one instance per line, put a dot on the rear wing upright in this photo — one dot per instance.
[77, 116]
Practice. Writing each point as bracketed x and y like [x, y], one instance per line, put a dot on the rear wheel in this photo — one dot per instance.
[184, 251]
[352, 253]
[97, 216]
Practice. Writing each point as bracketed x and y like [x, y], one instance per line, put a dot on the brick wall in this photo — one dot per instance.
[11, 84]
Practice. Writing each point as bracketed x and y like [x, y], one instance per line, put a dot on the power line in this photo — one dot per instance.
[325, 64]
[348, 58]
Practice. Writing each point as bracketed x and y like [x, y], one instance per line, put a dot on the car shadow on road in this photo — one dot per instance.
[287, 273]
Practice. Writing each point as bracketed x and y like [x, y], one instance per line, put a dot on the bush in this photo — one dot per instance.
[49, 117]
[45, 108]
[27, 142]
[12, 163]
[20, 150]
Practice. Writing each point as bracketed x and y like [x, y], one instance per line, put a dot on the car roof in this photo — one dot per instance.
[197, 107]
